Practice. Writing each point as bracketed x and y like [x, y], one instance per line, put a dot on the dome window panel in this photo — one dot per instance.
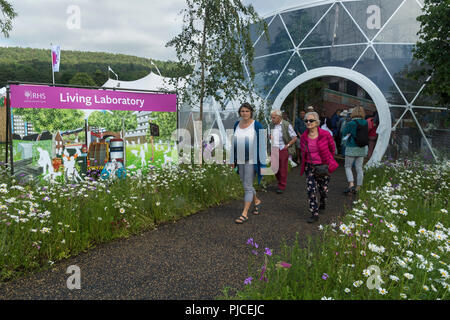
[403, 26]
[300, 22]
[268, 70]
[370, 66]
[372, 15]
[335, 28]
[344, 56]
[398, 59]
[279, 40]
[294, 69]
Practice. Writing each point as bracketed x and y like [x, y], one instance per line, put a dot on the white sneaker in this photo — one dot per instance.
[293, 164]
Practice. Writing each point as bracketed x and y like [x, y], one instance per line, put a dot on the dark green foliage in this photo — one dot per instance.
[167, 122]
[6, 17]
[82, 79]
[434, 48]
[34, 65]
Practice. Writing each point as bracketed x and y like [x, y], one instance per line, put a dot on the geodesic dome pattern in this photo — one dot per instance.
[372, 37]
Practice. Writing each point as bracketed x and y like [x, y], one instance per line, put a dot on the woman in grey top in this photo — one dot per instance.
[354, 153]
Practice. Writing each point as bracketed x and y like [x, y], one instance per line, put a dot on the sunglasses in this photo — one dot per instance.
[310, 121]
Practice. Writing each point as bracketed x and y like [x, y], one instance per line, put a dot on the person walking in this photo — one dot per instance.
[356, 138]
[345, 118]
[283, 138]
[317, 147]
[299, 128]
[247, 157]
[372, 123]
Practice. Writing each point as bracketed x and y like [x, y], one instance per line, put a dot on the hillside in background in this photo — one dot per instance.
[34, 65]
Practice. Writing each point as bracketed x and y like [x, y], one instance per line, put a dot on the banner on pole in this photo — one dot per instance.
[56, 57]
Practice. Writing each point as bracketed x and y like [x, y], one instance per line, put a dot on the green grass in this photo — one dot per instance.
[400, 224]
[43, 224]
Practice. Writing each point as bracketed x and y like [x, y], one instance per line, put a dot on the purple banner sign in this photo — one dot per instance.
[36, 96]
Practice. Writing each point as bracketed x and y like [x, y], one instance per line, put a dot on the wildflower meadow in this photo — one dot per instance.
[394, 244]
[41, 224]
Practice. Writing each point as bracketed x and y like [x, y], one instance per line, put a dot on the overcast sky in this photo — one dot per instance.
[135, 27]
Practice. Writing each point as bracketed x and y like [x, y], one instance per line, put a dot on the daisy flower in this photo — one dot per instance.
[382, 291]
[444, 273]
[408, 276]
[394, 278]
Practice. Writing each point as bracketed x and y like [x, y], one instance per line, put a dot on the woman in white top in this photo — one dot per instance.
[245, 144]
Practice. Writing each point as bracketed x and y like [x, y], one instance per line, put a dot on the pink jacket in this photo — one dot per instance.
[326, 150]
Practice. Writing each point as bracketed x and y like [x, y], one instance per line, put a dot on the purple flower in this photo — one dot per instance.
[250, 241]
[255, 252]
[324, 276]
[263, 270]
[285, 265]
[248, 280]
[268, 252]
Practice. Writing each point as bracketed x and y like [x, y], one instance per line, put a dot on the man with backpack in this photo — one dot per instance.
[356, 136]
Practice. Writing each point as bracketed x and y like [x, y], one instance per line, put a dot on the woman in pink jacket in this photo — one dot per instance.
[317, 147]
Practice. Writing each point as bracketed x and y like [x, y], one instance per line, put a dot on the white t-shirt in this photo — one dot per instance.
[241, 136]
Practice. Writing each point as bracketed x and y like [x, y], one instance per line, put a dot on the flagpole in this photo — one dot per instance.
[51, 55]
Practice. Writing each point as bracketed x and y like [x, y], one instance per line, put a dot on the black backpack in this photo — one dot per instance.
[362, 135]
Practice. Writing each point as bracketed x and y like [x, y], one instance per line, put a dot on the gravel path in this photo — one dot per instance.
[194, 258]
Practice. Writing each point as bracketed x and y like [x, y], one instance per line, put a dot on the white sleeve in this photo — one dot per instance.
[292, 133]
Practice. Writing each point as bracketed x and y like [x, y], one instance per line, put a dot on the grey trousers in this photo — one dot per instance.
[359, 169]
[247, 173]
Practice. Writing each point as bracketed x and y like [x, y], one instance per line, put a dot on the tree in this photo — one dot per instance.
[82, 79]
[113, 121]
[216, 39]
[434, 48]
[100, 77]
[8, 14]
[167, 123]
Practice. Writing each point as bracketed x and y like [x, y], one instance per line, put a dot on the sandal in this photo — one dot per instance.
[241, 219]
[256, 208]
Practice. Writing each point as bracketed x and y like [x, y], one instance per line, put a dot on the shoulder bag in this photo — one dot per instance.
[320, 170]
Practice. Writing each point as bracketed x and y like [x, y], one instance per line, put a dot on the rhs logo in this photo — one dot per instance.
[34, 95]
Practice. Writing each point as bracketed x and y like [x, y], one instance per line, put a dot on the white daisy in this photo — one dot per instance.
[394, 278]
[382, 291]
[408, 276]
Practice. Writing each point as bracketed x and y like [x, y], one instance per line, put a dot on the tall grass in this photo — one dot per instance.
[43, 224]
[393, 244]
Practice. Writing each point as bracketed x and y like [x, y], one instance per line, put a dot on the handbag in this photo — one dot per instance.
[320, 170]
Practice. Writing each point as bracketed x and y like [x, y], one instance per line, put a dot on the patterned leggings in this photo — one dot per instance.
[312, 183]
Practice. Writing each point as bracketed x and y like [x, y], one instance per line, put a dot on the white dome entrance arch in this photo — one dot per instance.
[384, 129]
